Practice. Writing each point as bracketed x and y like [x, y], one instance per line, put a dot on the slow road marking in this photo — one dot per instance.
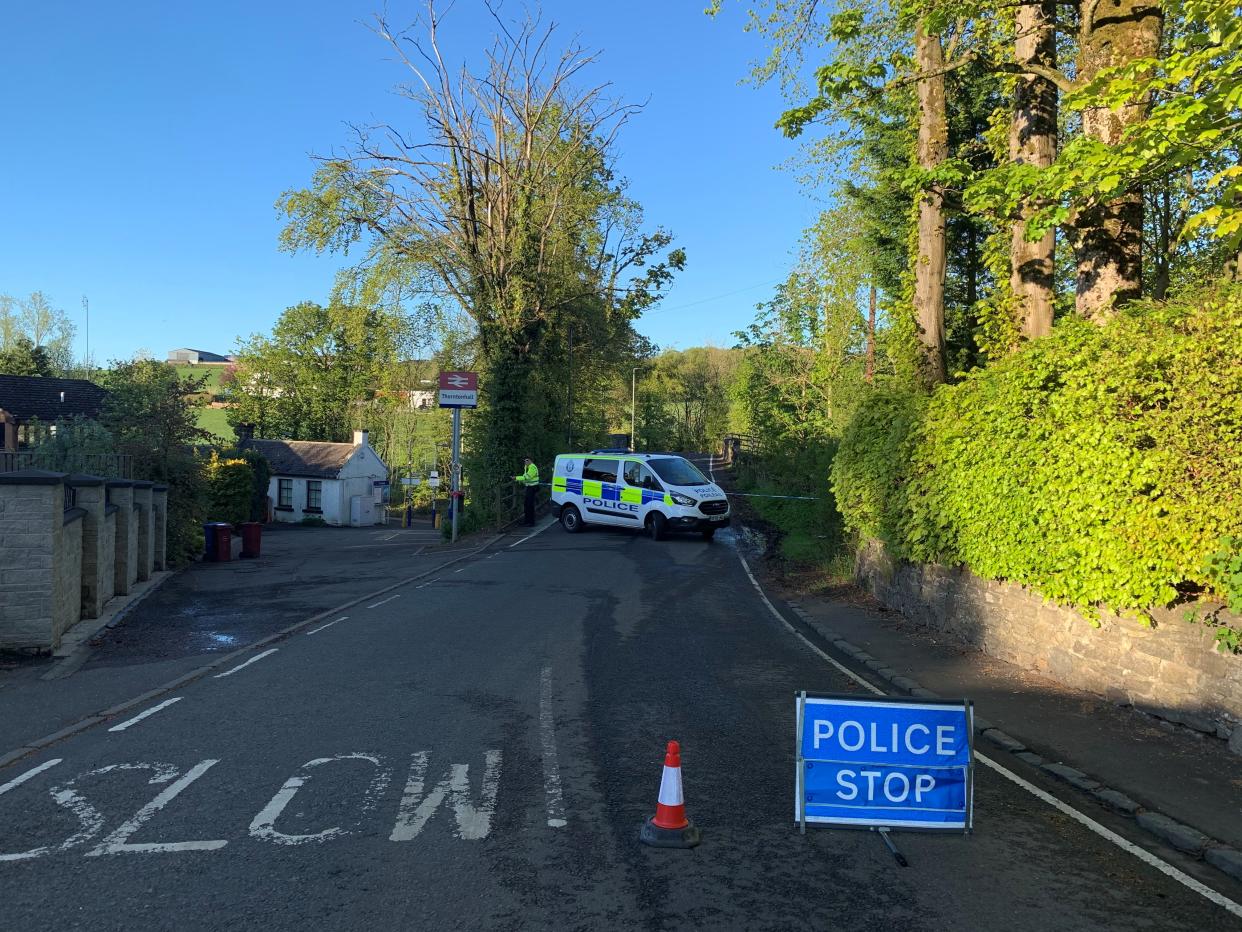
[141, 715]
[241, 666]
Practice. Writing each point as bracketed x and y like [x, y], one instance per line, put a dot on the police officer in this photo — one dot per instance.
[530, 479]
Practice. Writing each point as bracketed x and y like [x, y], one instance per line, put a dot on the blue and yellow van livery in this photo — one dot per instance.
[655, 492]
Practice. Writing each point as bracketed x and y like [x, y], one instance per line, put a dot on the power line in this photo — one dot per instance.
[721, 297]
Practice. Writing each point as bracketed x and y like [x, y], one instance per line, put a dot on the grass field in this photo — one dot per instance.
[213, 420]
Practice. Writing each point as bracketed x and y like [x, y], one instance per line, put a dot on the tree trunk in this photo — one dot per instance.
[1108, 236]
[869, 366]
[933, 149]
[1033, 141]
[1164, 220]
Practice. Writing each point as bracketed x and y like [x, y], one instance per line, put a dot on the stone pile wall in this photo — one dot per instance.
[1171, 668]
[61, 564]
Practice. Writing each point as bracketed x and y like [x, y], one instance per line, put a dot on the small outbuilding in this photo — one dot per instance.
[345, 484]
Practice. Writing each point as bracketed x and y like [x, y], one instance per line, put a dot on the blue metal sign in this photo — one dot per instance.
[885, 763]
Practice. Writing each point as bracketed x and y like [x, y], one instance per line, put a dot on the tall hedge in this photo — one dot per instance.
[1101, 465]
[230, 489]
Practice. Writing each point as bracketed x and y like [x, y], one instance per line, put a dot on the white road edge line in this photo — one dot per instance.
[1108, 834]
[551, 765]
[33, 772]
[383, 601]
[242, 666]
[328, 625]
[538, 530]
[141, 715]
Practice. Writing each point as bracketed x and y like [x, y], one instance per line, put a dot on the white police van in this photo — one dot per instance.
[656, 492]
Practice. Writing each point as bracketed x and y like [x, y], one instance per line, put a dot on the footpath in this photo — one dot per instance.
[200, 618]
[1180, 787]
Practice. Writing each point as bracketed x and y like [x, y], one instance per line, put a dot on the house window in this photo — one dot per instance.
[314, 495]
[284, 493]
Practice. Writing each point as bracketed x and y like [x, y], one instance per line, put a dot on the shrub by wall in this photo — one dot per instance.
[1101, 465]
[230, 489]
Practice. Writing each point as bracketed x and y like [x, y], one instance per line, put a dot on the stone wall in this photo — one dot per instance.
[144, 561]
[90, 495]
[1170, 668]
[60, 564]
[67, 574]
[159, 504]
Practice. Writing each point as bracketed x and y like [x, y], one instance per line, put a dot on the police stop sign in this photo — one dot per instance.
[885, 763]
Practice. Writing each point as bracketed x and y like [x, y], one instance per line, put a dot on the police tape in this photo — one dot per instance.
[794, 498]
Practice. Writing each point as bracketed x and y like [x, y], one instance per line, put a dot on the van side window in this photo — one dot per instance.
[600, 470]
[640, 477]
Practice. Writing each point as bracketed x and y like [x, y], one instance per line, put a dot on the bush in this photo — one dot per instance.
[1101, 465]
[230, 489]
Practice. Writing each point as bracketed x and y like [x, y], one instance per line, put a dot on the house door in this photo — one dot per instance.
[355, 511]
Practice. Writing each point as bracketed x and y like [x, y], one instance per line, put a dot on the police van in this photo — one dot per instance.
[655, 492]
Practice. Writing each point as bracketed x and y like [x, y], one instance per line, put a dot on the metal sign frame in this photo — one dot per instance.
[965, 705]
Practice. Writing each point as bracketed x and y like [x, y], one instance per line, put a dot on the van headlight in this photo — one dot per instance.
[685, 500]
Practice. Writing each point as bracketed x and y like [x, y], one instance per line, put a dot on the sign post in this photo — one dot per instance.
[884, 763]
[457, 390]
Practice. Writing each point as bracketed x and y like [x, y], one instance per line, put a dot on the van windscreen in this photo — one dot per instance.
[677, 471]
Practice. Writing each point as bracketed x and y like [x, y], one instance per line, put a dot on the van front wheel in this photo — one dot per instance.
[657, 526]
[708, 534]
[571, 521]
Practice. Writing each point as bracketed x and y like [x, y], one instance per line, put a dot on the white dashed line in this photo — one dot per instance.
[242, 666]
[551, 765]
[538, 530]
[1086, 821]
[328, 625]
[383, 601]
[34, 772]
[141, 715]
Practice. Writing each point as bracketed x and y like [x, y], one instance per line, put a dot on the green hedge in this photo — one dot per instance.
[230, 489]
[1101, 465]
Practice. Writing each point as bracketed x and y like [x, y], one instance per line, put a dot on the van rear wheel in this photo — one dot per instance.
[657, 526]
[571, 521]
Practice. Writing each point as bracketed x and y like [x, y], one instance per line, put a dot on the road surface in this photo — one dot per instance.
[478, 750]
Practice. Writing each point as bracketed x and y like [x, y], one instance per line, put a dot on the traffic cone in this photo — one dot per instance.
[670, 828]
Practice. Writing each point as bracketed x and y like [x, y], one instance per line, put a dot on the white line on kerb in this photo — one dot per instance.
[242, 666]
[538, 530]
[1124, 844]
[383, 601]
[33, 772]
[328, 625]
[141, 715]
[551, 766]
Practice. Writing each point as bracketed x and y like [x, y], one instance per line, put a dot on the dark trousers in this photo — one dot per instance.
[528, 505]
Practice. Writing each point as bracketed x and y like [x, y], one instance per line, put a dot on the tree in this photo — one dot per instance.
[303, 381]
[22, 357]
[933, 148]
[506, 206]
[46, 329]
[152, 415]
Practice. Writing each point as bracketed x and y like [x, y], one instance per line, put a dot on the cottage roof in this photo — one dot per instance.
[303, 457]
[48, 399]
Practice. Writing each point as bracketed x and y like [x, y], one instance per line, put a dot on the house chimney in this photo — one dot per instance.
[360, 438]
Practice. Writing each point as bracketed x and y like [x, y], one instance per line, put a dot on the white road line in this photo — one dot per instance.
[1124, 844]
[459, 569]
[383, 601]
[242, 666]
[119, 842]
[551, 765]
[538, 530]
[328, 625]
[389, 537]
[33, 772]
[141, 715]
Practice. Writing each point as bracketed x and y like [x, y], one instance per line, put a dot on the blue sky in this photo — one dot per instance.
[146, 143]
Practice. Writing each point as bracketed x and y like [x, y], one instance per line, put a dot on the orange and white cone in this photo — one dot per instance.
[670, 828]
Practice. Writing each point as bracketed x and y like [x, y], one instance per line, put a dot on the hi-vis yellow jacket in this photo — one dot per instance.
[529, 477]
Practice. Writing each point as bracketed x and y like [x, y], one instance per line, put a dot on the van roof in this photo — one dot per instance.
[627, 453]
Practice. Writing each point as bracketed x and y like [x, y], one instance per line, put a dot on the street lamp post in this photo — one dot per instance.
[633, 406]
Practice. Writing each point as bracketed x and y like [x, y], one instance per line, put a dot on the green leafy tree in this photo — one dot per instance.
[505, 205]
[22, 357]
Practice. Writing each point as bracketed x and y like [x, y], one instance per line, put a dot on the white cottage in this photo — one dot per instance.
[343, 483]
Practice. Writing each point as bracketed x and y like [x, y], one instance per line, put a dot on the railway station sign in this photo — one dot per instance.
[459, 389]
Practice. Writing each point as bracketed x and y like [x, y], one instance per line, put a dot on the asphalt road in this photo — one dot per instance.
[478, 751]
